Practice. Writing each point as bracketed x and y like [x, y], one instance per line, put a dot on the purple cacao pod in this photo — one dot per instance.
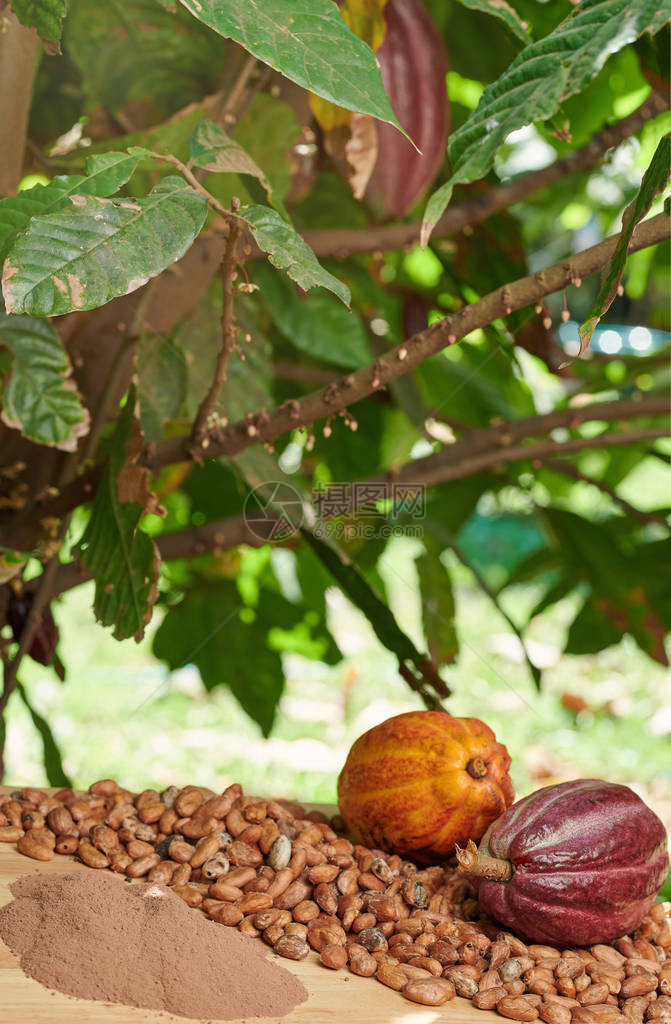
[413, 62]
[578, 863]
[45, 637]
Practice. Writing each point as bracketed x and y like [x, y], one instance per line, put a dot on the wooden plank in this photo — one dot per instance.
[334, 996]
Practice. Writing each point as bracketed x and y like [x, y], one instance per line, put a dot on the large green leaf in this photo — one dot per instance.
[162, 383]
[213, 150]
[654, 181]
[534, 85]
[134, 51]
[105, 174]
[315, 323]
[438, 608]
[206, 629]
[502, 10]
[624, 590]
[53, 759]
[46, 16]
[39, 397]
[122, 558]
[96, 249]
[307, 41]
[287, 251]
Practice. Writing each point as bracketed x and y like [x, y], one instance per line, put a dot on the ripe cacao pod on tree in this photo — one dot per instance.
[413, 62]
[422, 781]
[380, 164]
[571, 865]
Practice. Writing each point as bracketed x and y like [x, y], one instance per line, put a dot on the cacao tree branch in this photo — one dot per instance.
[452, 463]
[526, 291]
[440, 468]
[228, 270]
[18, 529]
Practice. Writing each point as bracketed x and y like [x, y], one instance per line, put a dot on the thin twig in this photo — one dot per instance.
[568, 469]
[228, 267]
[227, 215]
[239, 86]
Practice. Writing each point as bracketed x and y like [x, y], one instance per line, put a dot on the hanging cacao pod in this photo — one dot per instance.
[413, 62]
[382, 166]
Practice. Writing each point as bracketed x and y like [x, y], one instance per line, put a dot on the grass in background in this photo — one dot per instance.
[120, 714]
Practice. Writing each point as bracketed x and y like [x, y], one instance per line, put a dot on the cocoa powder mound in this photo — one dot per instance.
[89, 934]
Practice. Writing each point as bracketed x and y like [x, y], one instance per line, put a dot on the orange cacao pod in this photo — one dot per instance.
[413, 63]
[423, 781]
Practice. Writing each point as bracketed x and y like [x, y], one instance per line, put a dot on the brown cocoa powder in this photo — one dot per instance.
[89, 934]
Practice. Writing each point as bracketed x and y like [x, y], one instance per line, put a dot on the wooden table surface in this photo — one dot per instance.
[334, 996]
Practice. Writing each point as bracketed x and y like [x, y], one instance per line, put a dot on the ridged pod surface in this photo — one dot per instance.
[423, 781]
[413, 62]
[588, 859]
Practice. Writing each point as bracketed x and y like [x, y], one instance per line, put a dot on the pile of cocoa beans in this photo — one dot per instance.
[274, 870]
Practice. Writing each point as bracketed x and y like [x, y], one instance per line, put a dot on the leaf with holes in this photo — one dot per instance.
[287, 251]
[214, 150]
[123, 559]
[654, 181]
[40, 399]
[105, 174]
[307, 41]
[82, 256]
[46, 16]
[532, 88]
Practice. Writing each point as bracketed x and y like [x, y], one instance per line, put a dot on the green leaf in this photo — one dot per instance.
[53, 759]
[214, 150]
[665, 892]
[106, 174]
[46, 16]
[534, 85]
[591, 631]
[96, 249]
[287, 251]
[621, 592]
[315, 323]
[502, 10]
[206, 629]
[162, 383]
[123, 559]
[39, 397]
[134, 51]
[416, 668]
[307, 41]
[438, 608]
[654, 181]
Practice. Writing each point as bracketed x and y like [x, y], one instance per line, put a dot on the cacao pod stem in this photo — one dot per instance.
[476, 768]
[472, 862]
